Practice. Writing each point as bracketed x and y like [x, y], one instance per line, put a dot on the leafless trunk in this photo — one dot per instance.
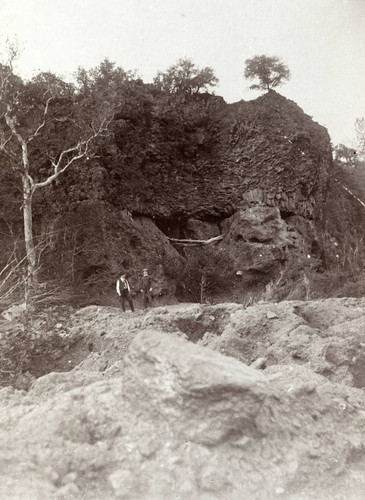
[28, 190]
[15, 139]
[28, 227]
[30, 278]
[203, 289]
[67, 158]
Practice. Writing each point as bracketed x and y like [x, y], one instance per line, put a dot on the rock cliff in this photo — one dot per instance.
[196, 170]
[263, 151]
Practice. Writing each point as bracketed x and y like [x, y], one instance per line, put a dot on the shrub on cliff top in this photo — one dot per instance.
[270, 72]
[185, 77]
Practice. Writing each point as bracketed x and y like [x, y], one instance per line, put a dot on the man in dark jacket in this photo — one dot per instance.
[124, 292]
[146, 289]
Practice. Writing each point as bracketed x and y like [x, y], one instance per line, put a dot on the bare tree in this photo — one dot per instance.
[31, 114]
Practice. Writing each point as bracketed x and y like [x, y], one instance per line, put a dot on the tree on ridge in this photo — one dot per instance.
[270, 71]
[185, 77]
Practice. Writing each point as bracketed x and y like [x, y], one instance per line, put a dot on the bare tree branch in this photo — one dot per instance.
[7, 152]
[43, 122]
[81, 150]
[23, 143]
[23, 124]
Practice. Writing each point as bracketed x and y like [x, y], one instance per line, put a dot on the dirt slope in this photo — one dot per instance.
[172, 403]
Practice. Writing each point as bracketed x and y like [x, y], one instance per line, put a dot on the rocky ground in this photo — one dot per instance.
[193, 401]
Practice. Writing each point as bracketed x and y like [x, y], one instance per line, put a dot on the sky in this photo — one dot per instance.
[321, 41]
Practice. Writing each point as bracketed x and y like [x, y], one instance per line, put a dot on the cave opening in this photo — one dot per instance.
[178, 226]
[172, 227]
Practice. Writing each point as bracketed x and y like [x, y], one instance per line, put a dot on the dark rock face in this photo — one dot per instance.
[265, 150]
[96, 243]
[257, 239]
[206, 158]
[281, 155]
[255, 172]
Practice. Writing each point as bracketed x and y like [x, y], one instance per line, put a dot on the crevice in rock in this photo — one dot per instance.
[188, 227]
[172, 227]
[285, 214]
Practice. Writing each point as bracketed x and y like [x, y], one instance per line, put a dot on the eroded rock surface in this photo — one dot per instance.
[257, 239]
[169, 418]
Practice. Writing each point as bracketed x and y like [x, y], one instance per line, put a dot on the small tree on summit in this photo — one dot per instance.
[270, 71]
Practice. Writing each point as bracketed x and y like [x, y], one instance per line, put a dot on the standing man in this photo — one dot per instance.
[124, 292]
[146, 289]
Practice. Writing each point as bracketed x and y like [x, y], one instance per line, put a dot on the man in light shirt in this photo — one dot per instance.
[124, 292]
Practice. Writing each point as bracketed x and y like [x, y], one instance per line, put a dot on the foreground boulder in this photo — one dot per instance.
[180, 420]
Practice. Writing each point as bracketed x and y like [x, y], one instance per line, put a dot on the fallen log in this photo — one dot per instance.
[190, 242]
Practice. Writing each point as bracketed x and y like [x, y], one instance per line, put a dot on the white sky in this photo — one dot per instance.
[321, 41]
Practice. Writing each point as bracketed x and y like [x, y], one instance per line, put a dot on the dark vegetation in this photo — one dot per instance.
[204, 276]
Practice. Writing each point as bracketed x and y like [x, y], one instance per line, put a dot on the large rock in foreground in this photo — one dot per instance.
[182, 421]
